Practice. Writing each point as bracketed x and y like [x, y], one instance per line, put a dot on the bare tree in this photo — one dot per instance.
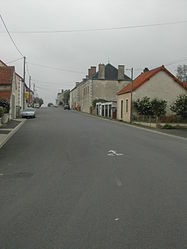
[182, 73]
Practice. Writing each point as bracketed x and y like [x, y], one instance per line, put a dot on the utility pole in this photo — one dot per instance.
[24, 62]
[34, 89]
[29, 90]
[131, 94]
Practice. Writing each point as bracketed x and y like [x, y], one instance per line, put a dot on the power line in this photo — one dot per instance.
[11, 36]
[51, 83]
[177, 61]
[47, 83]
[15, 60]
[99, 29]
[167, 64]
[27, 68]
[54, 68]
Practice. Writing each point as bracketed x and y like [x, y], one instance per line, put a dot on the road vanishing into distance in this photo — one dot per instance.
[73, 181]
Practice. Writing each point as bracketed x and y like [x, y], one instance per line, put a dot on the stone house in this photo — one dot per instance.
[63, 97]
[156, 83]
[98, 85]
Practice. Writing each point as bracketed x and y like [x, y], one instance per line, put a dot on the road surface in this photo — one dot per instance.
[72, 181]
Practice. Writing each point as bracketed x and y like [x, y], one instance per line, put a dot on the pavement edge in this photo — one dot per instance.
[12, 133]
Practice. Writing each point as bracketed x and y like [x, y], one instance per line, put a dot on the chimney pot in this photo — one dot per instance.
[91, 72]
[146, 69]
[101, 75]
[121, 69]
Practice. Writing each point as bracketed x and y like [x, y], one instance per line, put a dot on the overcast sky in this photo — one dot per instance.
[76, 51]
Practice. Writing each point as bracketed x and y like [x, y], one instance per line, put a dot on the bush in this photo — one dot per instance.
[158, 107]
[143, 106]
[168, 126]
[95, 101]
[5, 105]
[180, 106]
[154, 107]
[1, 111]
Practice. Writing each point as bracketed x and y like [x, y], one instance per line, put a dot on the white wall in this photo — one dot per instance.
[125, 113]
[160, 86]
[107, 89]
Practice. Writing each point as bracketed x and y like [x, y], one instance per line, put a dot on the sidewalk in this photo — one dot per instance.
[180, 132]
[8, 130]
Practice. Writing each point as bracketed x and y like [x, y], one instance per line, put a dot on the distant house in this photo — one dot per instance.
[8, 88]
[98, 85]
[63, 97]
[155, 83]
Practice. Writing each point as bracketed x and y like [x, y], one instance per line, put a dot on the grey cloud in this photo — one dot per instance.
[77, 51]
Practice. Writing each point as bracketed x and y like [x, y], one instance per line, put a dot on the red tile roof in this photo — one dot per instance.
[5, 95]
[5, 65]
[145, 76]
[6, 75]
[2, 62]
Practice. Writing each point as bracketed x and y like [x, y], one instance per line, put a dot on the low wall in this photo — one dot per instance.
[154, 125]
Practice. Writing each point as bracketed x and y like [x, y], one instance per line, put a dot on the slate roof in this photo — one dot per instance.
[6, 75]
[111, 73]
[145, 76]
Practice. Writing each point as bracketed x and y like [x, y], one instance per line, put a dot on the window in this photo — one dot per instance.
[110, 111]
[121, 108]
[106, 110]
[103, 111]
[127, 105]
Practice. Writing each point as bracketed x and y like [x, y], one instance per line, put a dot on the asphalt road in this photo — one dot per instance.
[61, 186]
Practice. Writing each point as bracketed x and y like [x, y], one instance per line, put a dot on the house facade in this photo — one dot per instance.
[8, 88]
[156, 83]
[63, 97]
[19, 89]
[29, 96]
[19, 84]
[98, 85]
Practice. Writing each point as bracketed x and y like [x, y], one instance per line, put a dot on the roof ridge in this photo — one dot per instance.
[145, 76]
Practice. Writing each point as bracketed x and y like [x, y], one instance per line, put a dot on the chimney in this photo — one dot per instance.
[121, 70]
[91, 72]
[101, 75]
[146, 69]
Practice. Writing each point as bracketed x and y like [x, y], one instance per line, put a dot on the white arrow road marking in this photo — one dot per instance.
[118, 182]
[116, 219]
[110, 154]
[114, 153]
[1, 174]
